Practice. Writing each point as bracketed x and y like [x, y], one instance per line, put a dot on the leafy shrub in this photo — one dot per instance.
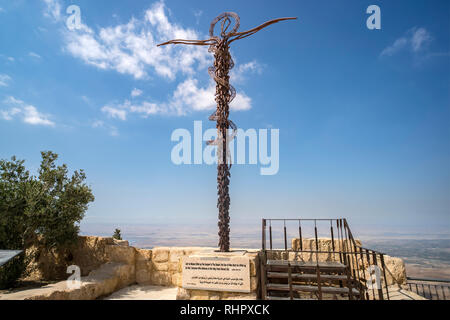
[43, 210]
[117, 235]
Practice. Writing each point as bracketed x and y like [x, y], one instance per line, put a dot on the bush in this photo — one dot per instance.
[44, 210]
[117, 235]
[11, 271]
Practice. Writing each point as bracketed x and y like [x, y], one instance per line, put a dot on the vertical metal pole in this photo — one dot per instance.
[263, 275]
[285, 236]
[263, 246]
[380, 289]
[291, 293]
[315, 233]
[384, 275]
[270, 233]
[366, 289]
[332, 239]
[368, 263]
[339, 241]
[300, 234]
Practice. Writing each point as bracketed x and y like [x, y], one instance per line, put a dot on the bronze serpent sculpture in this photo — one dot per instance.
[225, 93]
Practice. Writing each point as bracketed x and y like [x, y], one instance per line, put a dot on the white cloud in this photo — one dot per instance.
[53, 9]
[198, 14]
[86, 99]
[34, 55]
[4, 80]
[115, 112]
[420, 39]
[136, 92]
[100, 124]
[240, 73]
[27, 112]
[398, 45]
[188, 97]
[415, 40]
[144, 108]
[131, 48]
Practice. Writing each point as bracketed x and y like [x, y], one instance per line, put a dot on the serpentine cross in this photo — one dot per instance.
[225, 93]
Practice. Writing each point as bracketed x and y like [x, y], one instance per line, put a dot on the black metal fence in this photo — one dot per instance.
[366, 266]
[433, 289]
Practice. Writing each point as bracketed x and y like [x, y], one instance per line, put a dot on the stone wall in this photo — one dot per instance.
[89, 253]
[108, 265]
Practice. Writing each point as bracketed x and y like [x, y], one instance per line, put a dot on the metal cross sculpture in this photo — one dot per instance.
[225, 93]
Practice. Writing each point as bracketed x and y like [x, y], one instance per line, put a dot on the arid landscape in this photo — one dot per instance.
[426, 255]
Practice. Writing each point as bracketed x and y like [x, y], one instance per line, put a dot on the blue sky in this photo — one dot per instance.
[363, 114]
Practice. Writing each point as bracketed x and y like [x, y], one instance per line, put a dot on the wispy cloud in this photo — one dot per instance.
[136, 92]
[9, 59]
[111, 129]
[240, 73]
[34, 55]
[4, 80]
[415, 40]
[53, 9]
[115, 112]
[198, 14]
[27, 112]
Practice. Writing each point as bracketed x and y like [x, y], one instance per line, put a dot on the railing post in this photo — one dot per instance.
[291, 293]
[384, 276]
[300, 234]
[332, 239]
[263, 246]
[270, 233]
[380, 289]
[263, 275]
[366, 289]
[285, 236]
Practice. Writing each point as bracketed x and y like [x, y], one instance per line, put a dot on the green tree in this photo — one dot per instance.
[117, 235]
[43, 210]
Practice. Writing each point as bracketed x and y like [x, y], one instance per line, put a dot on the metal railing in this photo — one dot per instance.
[433, 289]
[365, 266]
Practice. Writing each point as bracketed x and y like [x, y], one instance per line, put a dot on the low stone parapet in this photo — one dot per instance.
[109, 278]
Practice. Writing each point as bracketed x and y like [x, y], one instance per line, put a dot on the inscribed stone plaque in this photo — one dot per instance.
[217, 273]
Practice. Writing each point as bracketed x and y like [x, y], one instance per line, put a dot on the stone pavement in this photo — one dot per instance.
[142, 292]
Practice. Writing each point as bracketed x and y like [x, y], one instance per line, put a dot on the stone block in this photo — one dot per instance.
[160, 254]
